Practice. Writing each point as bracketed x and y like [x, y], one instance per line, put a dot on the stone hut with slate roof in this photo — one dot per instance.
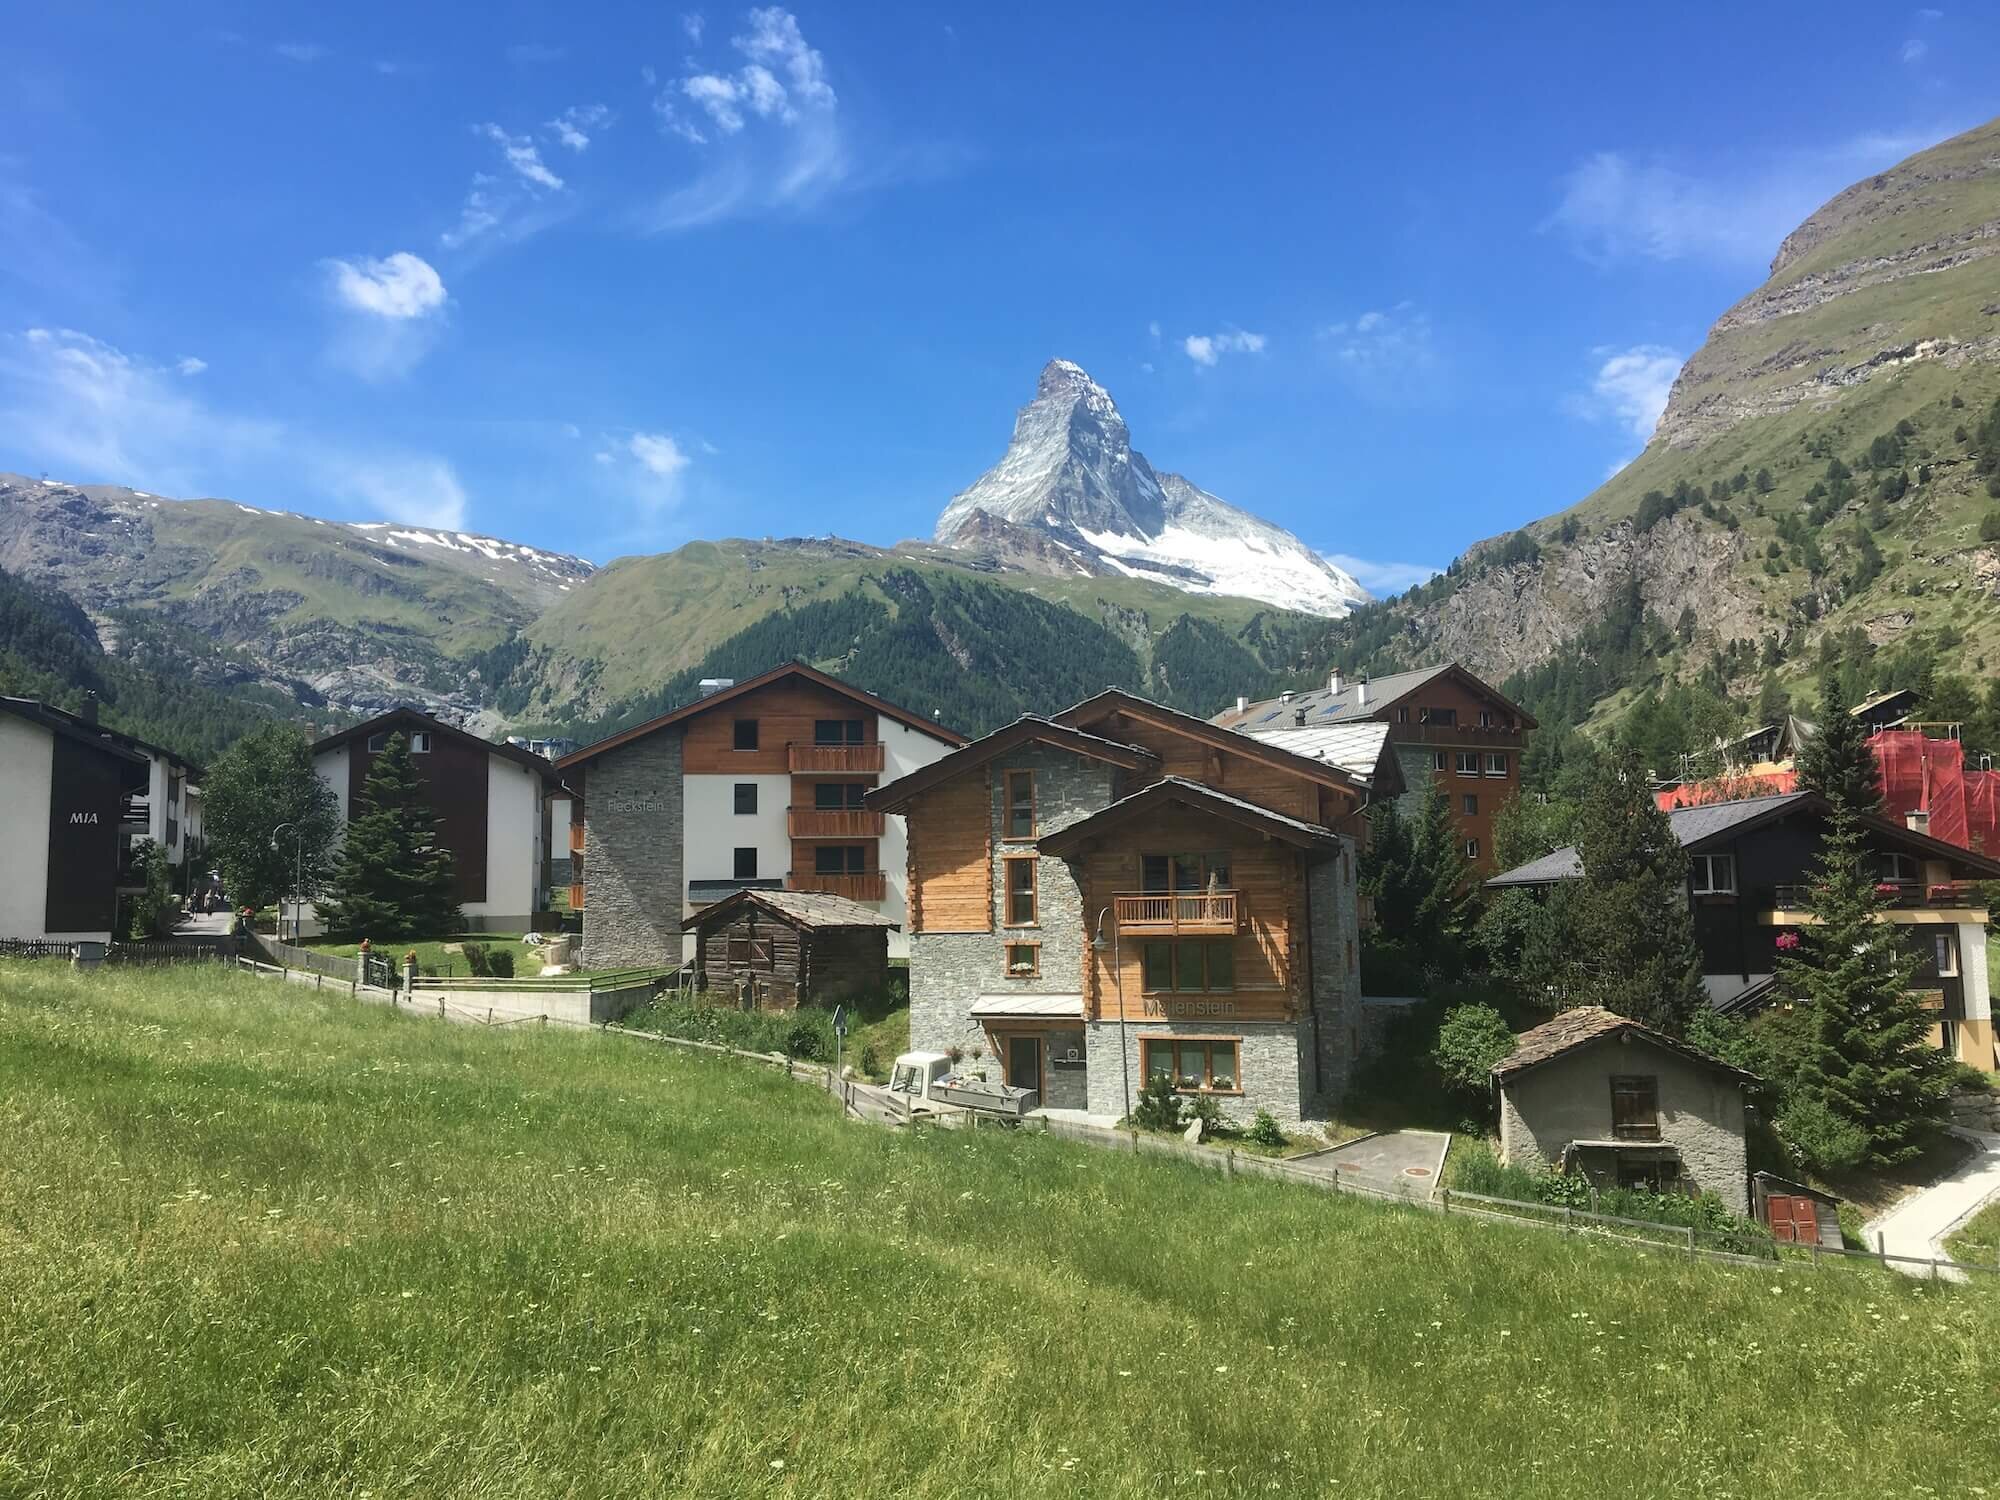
[778, 950]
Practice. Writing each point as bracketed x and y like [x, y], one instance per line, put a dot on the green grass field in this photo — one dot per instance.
[254, 1242]
[432, 955]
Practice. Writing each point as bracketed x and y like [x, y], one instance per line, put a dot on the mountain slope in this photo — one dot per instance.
[357, 616]
[1814, 495]
[1076, 497]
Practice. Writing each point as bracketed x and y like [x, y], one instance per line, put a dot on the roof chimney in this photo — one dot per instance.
[1299, 717]
[1286, 696]
[88, 709]
[1335, 682]
[1917, 820]
[1361, 692]
[1242, 704]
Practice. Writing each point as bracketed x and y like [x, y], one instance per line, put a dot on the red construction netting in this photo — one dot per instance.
[1982, 810]
[1926, 775]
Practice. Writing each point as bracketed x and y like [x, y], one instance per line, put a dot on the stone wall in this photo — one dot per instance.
[1274, 1063]
[1332, 1043]
[1569, 1099]
[633, 882]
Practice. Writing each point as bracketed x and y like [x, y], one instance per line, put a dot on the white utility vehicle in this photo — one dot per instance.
[916, 1072]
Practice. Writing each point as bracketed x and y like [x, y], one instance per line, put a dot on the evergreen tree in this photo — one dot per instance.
[1416, 872]
[263, 784]
[394, 879]
[1870, 1088]
[1837, 762]
[1622, 935]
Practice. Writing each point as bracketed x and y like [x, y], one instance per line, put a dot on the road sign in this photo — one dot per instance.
[840, 1020]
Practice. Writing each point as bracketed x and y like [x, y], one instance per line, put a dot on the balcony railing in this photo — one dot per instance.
[1899, 895]
[1180, 913]
[869, 885]
[833, 823]
[836, 760]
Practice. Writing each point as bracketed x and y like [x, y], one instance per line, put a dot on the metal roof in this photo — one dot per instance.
[1351, 745]
[1062, 1007]
[1323, 707]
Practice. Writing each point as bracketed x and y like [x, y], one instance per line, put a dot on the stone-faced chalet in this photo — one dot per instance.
[1123, 891]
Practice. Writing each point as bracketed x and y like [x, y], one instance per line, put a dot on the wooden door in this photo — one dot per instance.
[1794, 1219]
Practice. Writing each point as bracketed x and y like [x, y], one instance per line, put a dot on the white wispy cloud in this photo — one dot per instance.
[397, 286]
[300, 52]
[190, 365]
[646, 468]
[1384, 351]
[523, 155]
[692, 23]
[1630, 387]
[1207, 348]
[1382, 578]
[574, 126]
[1914, 51]
[97, 413]
[770, 128]
[1614, 206]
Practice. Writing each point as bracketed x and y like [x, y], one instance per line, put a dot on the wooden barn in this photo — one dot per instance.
[779, 949]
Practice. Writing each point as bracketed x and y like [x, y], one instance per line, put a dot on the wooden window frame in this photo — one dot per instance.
[1624, 1084]
[737, 809]
[1007, 799]
[1496, 757]
[1033, 893]
[860, 732]
[736, 736]
[1174, 967]
[1208, 1045]
[758, 956]
[861, 849]
[848, 800]
[1034, 969]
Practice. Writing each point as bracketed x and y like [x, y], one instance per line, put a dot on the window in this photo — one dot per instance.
[1201, 1064]
[840, 859]
[838, 796]
[745, 735]
[1443, 718]
[420, 742]
[1485, 719]
[1024, 960]
[1438, 760]
[1635, 1108]
[1470, 804]
[1183, 872]
[1468, 762]
[1021, 897]
[1713, 874]
[1472, 848]
[836, 731]
[1020, 822]
[750, 953]
[745, 865]
[1496, 763]
[1403, 715]
[1189, 966]
[1901, 869]
[1945, 953]
[746, 798]
[377, 743]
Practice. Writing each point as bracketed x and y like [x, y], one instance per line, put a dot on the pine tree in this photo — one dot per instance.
[1416, 872]
[1837, 762]
[1871, 1088]
[1622, 935]
[394, 879]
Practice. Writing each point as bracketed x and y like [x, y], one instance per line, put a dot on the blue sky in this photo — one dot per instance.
[613, 280]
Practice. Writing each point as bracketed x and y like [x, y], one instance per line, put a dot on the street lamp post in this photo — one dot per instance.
[1118, 983]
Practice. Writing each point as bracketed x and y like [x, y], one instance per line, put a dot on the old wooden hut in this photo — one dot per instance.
[778, 949]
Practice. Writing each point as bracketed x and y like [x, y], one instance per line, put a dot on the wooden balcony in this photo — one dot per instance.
[870, 885]
[576, 898]
[833, 823]
[1180, 914]
[836, 760]
[575, 839]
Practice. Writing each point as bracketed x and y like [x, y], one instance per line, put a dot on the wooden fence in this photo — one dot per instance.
[171, 950]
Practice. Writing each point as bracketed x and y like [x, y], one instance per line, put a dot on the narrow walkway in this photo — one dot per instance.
[1400, 1161]
[1918, 1224]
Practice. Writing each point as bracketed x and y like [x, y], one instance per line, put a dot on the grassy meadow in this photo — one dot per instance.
[256, 1242]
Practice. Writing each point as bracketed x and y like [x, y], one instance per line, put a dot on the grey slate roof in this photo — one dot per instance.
[1691, 825]
[1323, 707]
[805, 908]
[1350, 745]
[1590, 1023]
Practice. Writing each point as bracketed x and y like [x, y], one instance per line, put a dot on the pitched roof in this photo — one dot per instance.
[404, 716]
[1058, 1006]
[1113, 701]
[1587, 1024]
[1358, 747]
[1029, 728]
[1701, 827]
[1324, 706]
[827, 680]
[73, 727]
[810, 909]
[1288, 830]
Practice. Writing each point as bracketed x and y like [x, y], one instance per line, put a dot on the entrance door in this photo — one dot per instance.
[1794, 1220]
[1024, 1062]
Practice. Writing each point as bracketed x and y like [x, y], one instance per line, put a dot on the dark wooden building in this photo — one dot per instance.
[780, 949]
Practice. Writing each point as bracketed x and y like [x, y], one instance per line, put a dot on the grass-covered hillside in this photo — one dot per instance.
[256, 1243]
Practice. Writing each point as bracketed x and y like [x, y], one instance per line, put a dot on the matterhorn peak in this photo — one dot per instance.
[1072, 475]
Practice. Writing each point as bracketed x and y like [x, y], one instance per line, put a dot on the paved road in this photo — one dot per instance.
[1917, 1224]
[1406, 1161]
[215, 924]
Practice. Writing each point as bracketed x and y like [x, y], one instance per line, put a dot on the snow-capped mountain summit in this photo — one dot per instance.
[1072, 478]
